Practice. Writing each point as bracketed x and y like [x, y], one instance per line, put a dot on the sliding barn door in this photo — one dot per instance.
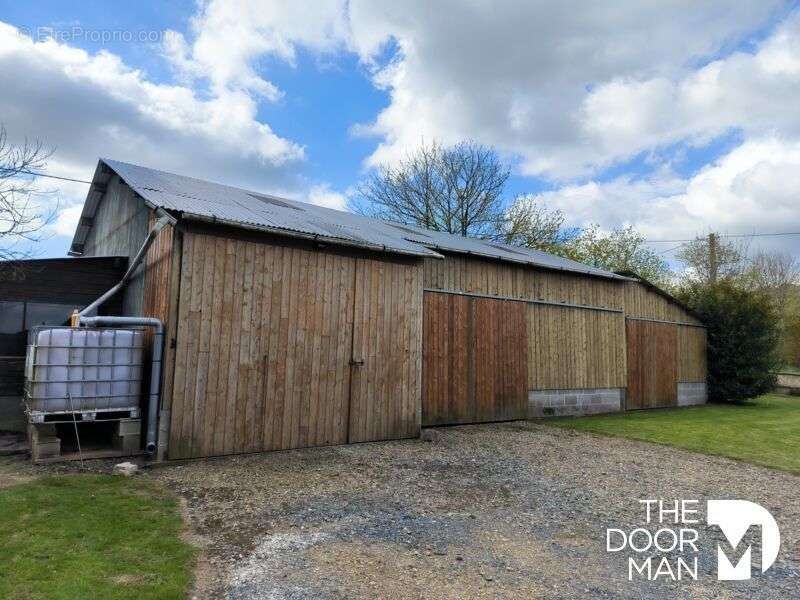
[652, 364]
[386, 365]
[474, 360]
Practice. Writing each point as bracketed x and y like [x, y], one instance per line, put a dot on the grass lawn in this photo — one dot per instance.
[764, 432]
[87, 536]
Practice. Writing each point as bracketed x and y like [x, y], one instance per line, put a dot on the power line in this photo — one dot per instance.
[729, 235]
[35, 174]
[671, 249]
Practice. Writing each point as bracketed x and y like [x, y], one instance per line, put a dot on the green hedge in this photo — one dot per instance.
[743, 339]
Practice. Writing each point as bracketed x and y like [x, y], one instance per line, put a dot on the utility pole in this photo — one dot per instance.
[713, 265]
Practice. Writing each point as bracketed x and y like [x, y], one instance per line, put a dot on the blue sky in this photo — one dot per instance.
[673, 119]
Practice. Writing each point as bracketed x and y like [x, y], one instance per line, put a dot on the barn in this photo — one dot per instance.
[291, 325]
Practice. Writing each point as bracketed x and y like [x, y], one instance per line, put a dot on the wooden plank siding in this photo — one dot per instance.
[652, 364]
[385, 389]
[571, 348]
[641, 302]
[261, 332]
[265, 339]
[692, 349]
[158, 270]
[474, 366]
[119, 227]
[161, 280]
[495, 278]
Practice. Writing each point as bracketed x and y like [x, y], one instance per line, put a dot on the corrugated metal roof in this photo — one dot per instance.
[203, 200]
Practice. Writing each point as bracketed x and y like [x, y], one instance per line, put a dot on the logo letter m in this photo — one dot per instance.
[734, 518]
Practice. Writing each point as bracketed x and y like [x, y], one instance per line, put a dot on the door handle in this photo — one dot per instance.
[356, 363]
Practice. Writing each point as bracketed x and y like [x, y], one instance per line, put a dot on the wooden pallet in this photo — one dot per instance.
[86, 415]
[88, 455]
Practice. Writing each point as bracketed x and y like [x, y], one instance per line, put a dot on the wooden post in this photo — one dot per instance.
[712, 258]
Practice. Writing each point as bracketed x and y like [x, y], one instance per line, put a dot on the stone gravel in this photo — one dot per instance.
[515, 510]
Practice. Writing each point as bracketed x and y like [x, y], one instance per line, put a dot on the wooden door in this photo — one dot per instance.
[652, 364]
[269, 356]
[263, 348]
[474, 359]
[387, 359]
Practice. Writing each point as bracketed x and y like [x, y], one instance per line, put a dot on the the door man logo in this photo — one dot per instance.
[734, 518]
[677, 541]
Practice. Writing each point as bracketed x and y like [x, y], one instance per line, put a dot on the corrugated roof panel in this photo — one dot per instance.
[204, 200]
[465, 245]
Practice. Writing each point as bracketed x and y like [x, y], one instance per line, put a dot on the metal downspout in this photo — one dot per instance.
[155, 371]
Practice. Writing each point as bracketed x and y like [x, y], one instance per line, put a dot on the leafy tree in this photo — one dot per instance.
[622, 249]
[777, 275]
[790, 334]
[530, 224]
[742, 338]
[710, 258]
[457, 189]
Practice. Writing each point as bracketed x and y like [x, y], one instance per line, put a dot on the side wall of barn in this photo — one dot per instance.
[119, 227]
[577, 346]
[575, 330]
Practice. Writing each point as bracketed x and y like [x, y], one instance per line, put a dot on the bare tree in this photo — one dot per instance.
[21, 219]
[409, 192]
[710, 258]
[474, 182]
[456, 189]
[530, 224]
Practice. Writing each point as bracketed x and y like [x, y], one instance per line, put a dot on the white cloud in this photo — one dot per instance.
[567, 92]
[229, 35]
[754, 188]
[755, 93]
[323, 195]
[88, 106]
[517, 74]
[67, 220]
[538, 80]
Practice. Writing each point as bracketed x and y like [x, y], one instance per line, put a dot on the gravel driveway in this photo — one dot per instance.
[514, 510]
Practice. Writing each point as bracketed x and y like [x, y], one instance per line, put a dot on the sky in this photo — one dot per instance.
[675, 117]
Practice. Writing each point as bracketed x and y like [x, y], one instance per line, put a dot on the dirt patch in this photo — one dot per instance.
[14, 469]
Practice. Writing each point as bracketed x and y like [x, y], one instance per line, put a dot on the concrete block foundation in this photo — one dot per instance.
[576, 402]
[43, 441]
[128, 436]
[692, 394]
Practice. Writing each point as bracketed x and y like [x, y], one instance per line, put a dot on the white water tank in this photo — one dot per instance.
[84, 369]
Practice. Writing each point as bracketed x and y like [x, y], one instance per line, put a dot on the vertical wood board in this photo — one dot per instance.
[474, 359]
